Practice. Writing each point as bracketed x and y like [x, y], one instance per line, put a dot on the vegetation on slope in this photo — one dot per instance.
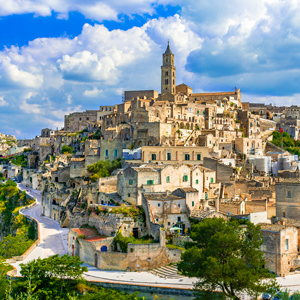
[289, 144]
[103, 168]
[16, 231]
[19, 160]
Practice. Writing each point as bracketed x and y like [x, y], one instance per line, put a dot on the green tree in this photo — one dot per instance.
[66, 149]
[103, 168]
[51, 278]
[226, 257]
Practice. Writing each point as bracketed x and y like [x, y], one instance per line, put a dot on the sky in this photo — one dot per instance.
[58, 57]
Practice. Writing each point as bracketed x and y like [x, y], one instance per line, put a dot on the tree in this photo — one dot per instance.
[50, 278]
[66, 149]
[226, 257]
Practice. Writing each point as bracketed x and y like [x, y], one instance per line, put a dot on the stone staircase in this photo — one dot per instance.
[170, 272]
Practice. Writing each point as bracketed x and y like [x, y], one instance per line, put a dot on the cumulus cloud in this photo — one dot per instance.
[85, 66]
[93, 9]
[12, 74]
[92, 93]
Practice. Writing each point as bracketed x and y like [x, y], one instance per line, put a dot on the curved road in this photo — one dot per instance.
[54, 241]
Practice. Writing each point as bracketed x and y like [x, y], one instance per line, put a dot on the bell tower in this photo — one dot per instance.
[168, 73]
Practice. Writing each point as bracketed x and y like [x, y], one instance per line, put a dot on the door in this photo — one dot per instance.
[96, 260]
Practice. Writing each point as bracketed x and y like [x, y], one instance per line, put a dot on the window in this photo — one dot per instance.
[166, 73]
[198, 156]
[166, 81]
[116, 153]
[211, 180]
[286, 244]
[106, 152]
[289, 194]
[74, 167]
[157, 115]
[178, 219]
[186, 157]
[197, 112]
[283, 215]
[185, 178]
[168, 156]
[206, 196]
[168, 179]
[158, 204]
[87, 118]
[153, 156]
[79, 119]
[150, 182]
[169, 223]
[130, 181]
[193, 203]
[128, 194]
[197, 181]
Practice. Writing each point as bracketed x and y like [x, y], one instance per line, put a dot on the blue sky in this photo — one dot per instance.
[60, 57]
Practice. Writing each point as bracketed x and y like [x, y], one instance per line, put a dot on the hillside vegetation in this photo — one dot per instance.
[289, 144]
[16, 233]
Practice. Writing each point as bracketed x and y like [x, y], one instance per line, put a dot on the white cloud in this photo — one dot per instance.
[3, 102]
[92, 93]
[93, 9]
[85, 66]
[15, 76]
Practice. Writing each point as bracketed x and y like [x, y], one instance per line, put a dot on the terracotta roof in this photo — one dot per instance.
[161, 196]
[88, 232]
[95, 238]
[77, 159]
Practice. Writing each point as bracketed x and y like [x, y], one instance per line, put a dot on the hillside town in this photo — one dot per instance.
[128, 179]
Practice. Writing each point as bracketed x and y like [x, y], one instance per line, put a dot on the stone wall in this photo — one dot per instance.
[287, 199]
[223, 172]
[139, 257]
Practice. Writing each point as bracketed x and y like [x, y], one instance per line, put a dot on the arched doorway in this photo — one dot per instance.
[103, 249]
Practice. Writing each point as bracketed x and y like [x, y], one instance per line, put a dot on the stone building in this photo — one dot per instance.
[79, 120]
[249, 146]
[280, 247]
[98, 251]
[288, 198]
[153, 178]
[174, 155]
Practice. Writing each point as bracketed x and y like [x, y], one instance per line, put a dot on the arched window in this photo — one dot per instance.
[166, 81]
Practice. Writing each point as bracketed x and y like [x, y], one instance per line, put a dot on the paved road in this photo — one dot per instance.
[53, 238]
[54, 241]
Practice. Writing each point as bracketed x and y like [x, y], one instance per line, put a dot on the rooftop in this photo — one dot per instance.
[161, 196]
[272, 227]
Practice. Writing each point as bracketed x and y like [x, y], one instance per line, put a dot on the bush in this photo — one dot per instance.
[66, 149]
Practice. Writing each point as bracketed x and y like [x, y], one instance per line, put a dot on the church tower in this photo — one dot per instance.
[168, 72]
